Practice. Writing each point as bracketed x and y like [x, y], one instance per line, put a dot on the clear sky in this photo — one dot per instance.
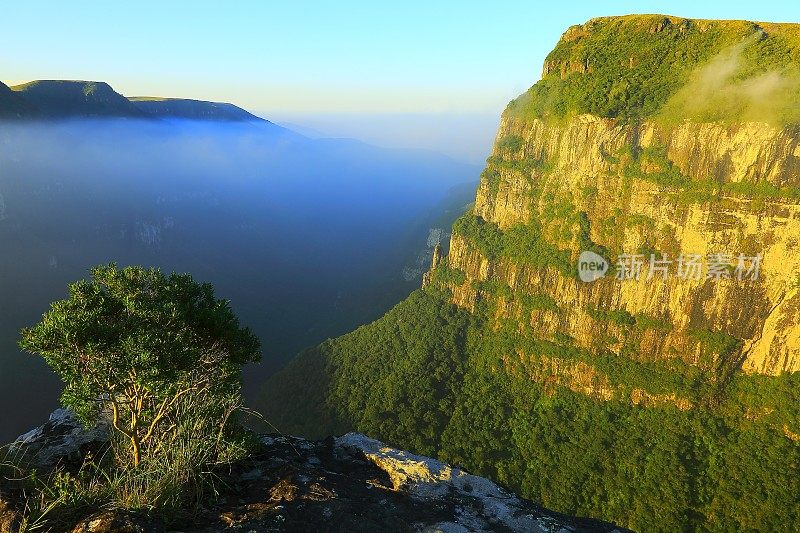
[335, 56]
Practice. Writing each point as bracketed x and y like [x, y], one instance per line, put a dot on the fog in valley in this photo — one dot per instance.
[307, 237]
[465, 136]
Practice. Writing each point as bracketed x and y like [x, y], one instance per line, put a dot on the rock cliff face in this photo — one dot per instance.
[636, 215]
[651, 193]
[641, 191]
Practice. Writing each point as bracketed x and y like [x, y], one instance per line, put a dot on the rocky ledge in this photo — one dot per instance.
[351, 483]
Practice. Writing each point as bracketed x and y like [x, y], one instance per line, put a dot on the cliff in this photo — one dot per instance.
[651, 186]
[349, 483]
[661, 392]
[622, 203]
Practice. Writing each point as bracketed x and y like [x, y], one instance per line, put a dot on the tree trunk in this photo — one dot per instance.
[137, 454]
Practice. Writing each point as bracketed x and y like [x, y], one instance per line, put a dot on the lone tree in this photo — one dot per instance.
[146, 351]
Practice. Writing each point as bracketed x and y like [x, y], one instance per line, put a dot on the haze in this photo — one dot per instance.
[307, 238]
[425, 61]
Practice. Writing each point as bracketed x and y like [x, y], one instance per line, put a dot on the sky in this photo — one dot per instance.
[301, 60]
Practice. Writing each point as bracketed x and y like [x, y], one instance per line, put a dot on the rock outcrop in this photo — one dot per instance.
[62, 442]
[350, 483]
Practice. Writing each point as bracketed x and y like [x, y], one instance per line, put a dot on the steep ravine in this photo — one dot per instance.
[660, 403]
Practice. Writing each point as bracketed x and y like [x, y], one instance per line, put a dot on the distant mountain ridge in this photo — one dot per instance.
[192, 109]
[12, 105]
[64, 99]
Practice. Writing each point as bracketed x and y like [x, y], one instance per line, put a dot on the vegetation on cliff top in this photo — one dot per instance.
[644, 66]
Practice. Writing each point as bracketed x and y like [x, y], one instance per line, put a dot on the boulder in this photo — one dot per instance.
[61, 442]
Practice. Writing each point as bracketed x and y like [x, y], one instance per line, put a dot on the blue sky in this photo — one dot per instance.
[316, 57]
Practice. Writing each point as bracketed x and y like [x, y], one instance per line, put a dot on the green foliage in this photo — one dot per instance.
[523, 243]
[716, 342]
[661, 170]
[648, 322]
[563, 338]
[493, 287]
[762, 190]
[510, 143]
[616, 316]
[527, 245]
[134, 345]
[159, 357]
[538, 302]
[699, 192]
[434, 379]
[644, 66]
[485, 235]
[448, 275]
[585, 237]
[628, 77]
[492, 178]
[667, 175]
[359, 380]
[640, 220]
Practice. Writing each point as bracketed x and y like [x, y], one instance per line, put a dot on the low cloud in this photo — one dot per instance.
[722, 90]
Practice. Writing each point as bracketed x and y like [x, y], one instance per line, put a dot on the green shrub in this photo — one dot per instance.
[493, 287]
[523, 243]
[510, 143]
[648, 322]
[448, 275]
[538, 302]
[130, 344]
[716, 342]
[616, 316]
[160, 358]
